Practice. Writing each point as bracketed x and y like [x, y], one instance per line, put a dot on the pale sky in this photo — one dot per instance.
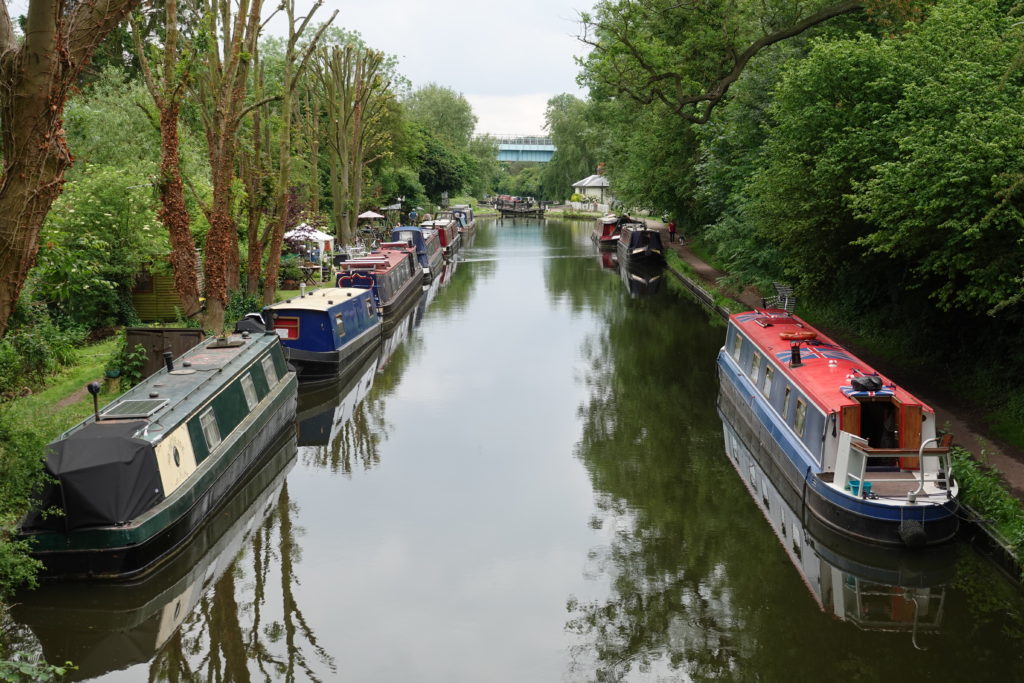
[508, 58]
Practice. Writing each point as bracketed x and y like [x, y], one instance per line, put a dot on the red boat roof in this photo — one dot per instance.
[827, 368]
[378, 260]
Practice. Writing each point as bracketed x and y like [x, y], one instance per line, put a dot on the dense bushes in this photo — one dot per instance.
[34, 348]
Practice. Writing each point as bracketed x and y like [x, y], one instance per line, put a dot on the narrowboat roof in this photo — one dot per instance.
[167, 398]
[321, 299]
[826, 369]
[378, 260]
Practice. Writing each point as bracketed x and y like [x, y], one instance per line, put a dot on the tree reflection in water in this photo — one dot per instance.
[228, 637]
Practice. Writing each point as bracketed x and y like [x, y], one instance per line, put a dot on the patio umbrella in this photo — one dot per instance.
[370, 214]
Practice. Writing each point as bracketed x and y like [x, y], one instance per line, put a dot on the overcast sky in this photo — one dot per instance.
[508, 58]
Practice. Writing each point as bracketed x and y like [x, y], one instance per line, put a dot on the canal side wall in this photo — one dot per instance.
[973, 528]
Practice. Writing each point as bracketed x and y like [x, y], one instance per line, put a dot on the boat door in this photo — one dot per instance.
[879, 421]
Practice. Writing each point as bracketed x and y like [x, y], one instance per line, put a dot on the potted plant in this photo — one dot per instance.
[291, 274]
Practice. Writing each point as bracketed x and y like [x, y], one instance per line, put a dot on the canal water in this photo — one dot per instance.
[529, 482]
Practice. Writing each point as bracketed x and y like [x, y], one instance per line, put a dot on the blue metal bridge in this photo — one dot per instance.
[524, 147]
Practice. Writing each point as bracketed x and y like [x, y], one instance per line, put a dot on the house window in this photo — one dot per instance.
[249, 389]
[755, 366]
[737, 346]
[801, 414]
[210, 429]
[269, 370]
[785, 403]
[768, 372]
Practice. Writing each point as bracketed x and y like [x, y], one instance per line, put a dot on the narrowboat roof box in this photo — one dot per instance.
[136, 479]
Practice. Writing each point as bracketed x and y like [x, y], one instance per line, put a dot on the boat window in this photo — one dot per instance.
[339, 325]
[755, 366]
[785, 403]
[211, 431]
[369, 306]
[269, 370]
[737, 346]
[249, 389]
[801, 414]
[768, 372]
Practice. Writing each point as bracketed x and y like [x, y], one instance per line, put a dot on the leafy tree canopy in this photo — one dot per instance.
[444, 112]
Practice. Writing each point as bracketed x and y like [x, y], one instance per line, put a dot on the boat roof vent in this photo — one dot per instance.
[133, 408]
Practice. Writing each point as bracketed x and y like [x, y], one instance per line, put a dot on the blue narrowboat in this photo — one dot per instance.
[862, 453]
[135, 481]
[427, 245]
[325, 331]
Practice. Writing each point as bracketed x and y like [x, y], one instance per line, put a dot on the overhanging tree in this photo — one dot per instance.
[36, 75]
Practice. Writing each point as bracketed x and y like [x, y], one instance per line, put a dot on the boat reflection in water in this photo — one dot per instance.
[875, 587]
[608, 260]
[641, 279]
[105, 627]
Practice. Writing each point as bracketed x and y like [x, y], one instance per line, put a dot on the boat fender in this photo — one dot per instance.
[798, 336]
[912, 533]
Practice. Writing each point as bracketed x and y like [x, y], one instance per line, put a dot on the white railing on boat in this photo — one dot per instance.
[926, 465]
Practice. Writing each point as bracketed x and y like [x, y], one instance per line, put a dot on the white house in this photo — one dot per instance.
[596, 190]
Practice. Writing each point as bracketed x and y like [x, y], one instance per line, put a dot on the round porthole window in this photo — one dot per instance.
[177, 457]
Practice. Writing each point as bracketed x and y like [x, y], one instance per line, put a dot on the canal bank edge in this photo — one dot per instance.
[701, 280]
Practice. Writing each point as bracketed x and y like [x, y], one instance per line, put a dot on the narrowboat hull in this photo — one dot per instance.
[783, 460]
[141, 545]
[606, 242]
[91, 627]
[327, 366]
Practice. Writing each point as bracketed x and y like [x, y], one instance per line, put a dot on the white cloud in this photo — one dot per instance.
[510, 114]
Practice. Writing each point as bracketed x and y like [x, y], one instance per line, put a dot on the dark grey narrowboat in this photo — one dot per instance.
[135, 481]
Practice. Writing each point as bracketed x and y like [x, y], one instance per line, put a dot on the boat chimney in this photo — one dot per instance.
[794, 355]
[94, 389]
[268, 318]
[168, 363]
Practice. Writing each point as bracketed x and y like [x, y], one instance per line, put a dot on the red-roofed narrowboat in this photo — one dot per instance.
[862, 453]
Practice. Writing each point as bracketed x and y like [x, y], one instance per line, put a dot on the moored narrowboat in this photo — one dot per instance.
[136, 480]
[874, 586]
[462, 214]
[326, 330]
[393, 275]
[427, 245]
[639, 244]
[863, 452]
[448, 230]
[115, 625]
[607, 230]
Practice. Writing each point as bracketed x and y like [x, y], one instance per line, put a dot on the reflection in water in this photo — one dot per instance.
[876, 588]
[641, 280]
[187, 619]
[334, 423]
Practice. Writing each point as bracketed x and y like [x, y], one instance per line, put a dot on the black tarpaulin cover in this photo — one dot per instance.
[104, 477]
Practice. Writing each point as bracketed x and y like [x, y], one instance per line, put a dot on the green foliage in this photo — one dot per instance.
[127, 363]
[985, 492]
[442, 168]
[444, 112]
[99, 233]
[570, 122]
[22, 447]
[34, 347]
[241, 304]
[29, 669]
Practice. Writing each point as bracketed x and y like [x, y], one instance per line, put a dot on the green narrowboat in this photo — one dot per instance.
[131, 484]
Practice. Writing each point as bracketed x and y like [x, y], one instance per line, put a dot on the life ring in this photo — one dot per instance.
[799, 336]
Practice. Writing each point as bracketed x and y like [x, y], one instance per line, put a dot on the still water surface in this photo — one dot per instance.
[529, 482]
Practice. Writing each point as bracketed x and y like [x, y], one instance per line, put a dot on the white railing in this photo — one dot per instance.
[934, 466]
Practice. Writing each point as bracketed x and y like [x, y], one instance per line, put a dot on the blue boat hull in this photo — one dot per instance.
[784, 459]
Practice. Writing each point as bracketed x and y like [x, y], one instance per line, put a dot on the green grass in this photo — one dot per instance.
[49, 411]
[984, 490]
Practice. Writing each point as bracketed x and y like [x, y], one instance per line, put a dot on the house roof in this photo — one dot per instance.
[592, 181]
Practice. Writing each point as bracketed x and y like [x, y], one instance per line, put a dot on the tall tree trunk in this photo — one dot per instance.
[167, 96]
[173, 212]
[35, 77]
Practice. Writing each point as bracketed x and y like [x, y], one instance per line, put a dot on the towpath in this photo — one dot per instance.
[965, 421]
